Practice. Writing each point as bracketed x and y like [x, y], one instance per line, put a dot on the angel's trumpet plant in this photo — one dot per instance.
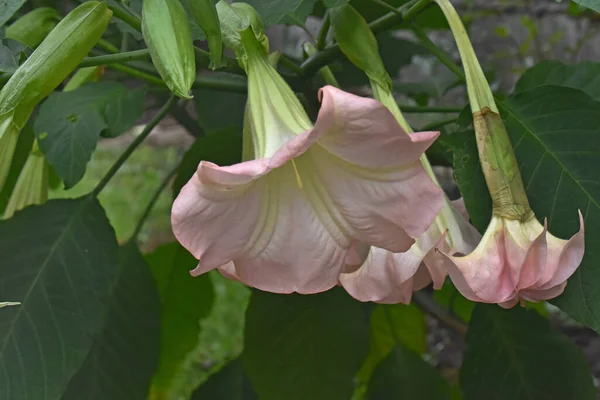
[285, 219]
[517, 259]
[385, 276]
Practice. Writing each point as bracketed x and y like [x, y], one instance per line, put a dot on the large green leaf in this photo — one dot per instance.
[229, 383]
[124, 357]
[59, 260]
[304, 346]
[556, 135]
[592, 4]
[584, 76]
[405, 375]
[8, 8]
[283, 11]
[222, 148]
[516, 355]
[388, 322]
[69, 124]
[12, 54]
[218, 110]
[185, 301]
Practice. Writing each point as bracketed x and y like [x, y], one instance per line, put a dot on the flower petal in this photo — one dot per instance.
[482, 276]
[564, 256]
[364, 132]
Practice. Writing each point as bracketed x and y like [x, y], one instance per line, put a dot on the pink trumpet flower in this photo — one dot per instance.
[285, 221]
[516, 261]
[517, 258]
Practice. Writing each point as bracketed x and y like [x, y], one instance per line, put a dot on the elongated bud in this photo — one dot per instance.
[56, 57]
[167, 33]
[34, 26]
[84, 75]
[32, 185]
[358, 43]
[205, 14]
[496, 154]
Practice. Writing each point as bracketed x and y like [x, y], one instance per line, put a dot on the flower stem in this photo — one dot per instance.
[152, 202]
[115, 58]
[322, 36]
[388, 21]
[134, 144]
[124, 16]
[428, 305]
[325, 71]
[440, 54]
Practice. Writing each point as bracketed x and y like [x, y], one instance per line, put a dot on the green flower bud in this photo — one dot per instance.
[34, 26]
[32, 185]
[205, 14]
[358, 43]
[55, 58]
[167, 33]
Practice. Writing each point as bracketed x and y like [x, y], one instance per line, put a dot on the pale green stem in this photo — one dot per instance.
[496, 154]
[480, 94]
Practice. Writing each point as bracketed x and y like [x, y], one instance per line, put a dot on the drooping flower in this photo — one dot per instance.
[378, 274]
[284, 221]
[517, 259]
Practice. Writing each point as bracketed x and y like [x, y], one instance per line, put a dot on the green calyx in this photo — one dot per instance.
[496, 154]
[236, 19]
[500, 167]
[358, 43]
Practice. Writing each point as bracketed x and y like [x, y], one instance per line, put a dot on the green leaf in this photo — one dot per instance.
[554, 131]
[222, 148]
[230, 382]
[283, 11]
[334, 3]
[124, 356]
[218, 110]
[516, 355]
[12, 54]
[405, 375]
[584, 76]
[450, 298]
[69, 124]
[8, 8]
[59, 260]
[304, 346]
[469, 178]
[408, 326]
[185, 301]
[591, 4]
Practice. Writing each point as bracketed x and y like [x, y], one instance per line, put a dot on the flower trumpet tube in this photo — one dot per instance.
[517, 259]
[381, 275]
[285, 220]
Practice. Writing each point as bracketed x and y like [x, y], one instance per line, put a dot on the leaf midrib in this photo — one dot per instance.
[40, 273]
